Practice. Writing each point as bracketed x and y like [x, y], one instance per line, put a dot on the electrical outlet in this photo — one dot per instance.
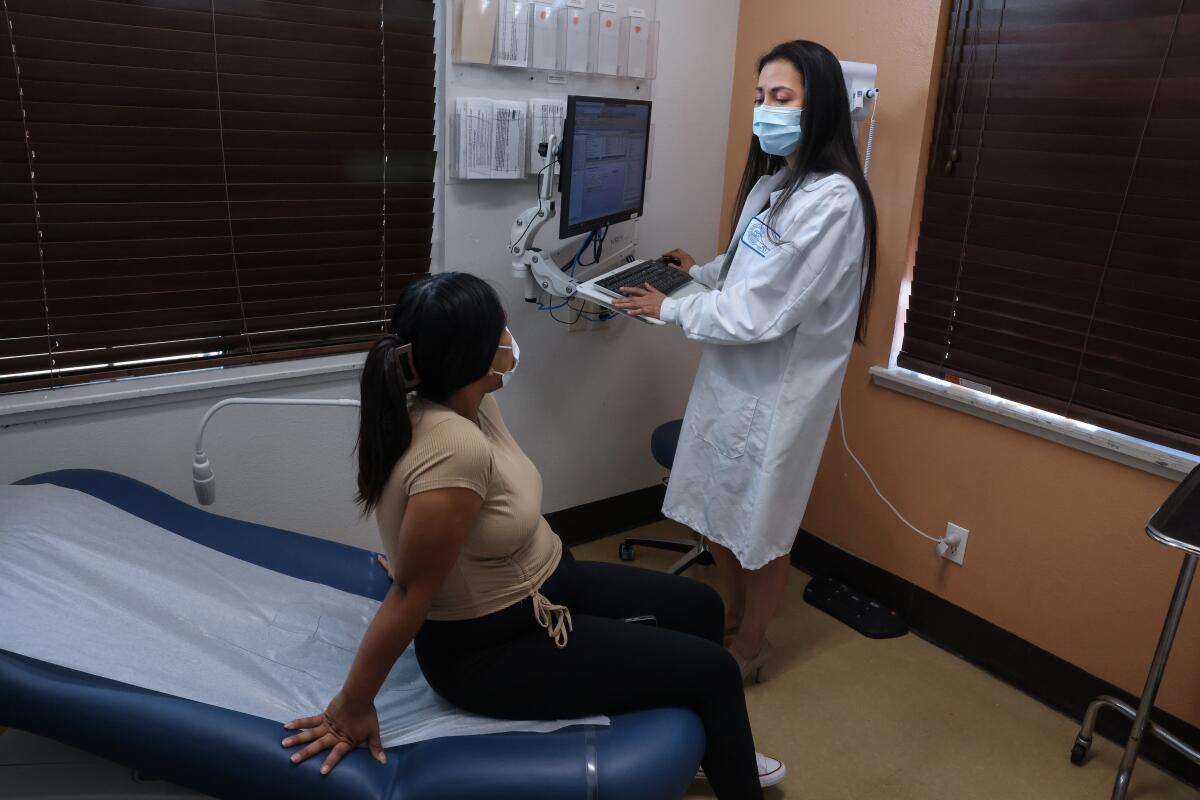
[953, 546]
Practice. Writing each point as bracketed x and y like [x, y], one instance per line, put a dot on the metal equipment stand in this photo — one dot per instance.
[1177, 525]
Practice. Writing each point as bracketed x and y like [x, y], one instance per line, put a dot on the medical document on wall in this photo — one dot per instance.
[477, 31]
[491, 138]
[576, 39]
[546, 117]
[543, 46]
[508, 155]
[639, 48]
[608, 43]
[512, 34]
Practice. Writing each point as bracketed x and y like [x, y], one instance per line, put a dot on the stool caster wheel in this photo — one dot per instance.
[1079, 754]
[625, 552]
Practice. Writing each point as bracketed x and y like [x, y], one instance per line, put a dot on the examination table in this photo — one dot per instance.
[646, 755]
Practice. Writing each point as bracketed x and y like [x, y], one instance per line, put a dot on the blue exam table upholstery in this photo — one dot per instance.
[646, 755]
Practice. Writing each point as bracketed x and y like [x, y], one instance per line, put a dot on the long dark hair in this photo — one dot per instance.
[453, 322]
[826, 146]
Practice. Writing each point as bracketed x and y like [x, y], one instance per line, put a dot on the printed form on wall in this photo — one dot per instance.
[490, 138]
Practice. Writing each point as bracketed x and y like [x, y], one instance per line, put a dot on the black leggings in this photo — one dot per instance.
[504, 665]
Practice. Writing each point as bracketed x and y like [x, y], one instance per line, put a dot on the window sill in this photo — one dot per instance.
[1128, 450]
[179, 387]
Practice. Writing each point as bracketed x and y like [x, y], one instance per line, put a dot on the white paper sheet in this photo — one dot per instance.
[608, 44]
[473, 153]
[93, 588]
[545, 119]
[544, 46]
[477, 31]
[512, 34]
[639, 48]
[508, 153]
[576, 40]
[491, 137]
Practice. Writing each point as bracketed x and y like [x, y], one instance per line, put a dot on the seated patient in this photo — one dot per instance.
[505, 622]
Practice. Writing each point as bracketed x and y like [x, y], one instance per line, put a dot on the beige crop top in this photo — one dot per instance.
[511, 550]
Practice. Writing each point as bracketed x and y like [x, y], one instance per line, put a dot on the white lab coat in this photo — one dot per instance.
[778, 332]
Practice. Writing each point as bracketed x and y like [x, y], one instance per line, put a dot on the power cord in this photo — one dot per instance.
[870, 480]
[581, 313]
[528, 224]
[570, 267]
[596, 237]
[567, 322]
[575, 261]
[596, 240]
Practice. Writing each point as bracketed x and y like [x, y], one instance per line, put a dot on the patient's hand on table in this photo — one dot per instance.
[345, 724]
[383, 562]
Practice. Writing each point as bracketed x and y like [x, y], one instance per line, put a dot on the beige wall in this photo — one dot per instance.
[1057, 553]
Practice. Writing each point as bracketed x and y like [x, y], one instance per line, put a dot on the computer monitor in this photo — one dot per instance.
[603, 162]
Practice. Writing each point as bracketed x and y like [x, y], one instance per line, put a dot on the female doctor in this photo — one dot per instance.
[788, 300]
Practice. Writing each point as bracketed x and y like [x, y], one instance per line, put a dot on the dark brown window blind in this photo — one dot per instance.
[1058, 262]
[190, 183]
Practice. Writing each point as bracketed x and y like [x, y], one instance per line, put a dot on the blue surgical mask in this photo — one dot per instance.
[777, 129]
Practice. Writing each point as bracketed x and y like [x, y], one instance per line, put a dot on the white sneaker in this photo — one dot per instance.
[770, 771]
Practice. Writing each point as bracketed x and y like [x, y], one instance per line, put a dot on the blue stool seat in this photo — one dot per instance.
[664, 441]
[645, 755]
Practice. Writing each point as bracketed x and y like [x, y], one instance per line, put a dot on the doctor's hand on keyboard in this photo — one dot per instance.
[344, 725]
[644, 302]
[679, 259]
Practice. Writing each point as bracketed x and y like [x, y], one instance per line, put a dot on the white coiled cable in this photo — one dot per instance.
[874, 96]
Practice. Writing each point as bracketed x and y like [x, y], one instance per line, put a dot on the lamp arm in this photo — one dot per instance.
[261, 401]
[202, 474]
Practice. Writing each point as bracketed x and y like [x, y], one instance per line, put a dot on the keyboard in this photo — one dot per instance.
[657, 273]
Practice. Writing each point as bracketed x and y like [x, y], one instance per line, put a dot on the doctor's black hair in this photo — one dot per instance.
[454, 322]
[826, 146]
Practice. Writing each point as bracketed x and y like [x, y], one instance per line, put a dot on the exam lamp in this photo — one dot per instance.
[202, 474]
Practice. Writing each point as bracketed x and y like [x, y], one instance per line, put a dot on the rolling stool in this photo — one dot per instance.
[1176, 524]
[695, 551]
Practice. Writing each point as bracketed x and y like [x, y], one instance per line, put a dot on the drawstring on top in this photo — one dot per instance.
[555, 619]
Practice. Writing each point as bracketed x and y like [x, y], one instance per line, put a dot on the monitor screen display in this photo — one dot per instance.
[603, 169]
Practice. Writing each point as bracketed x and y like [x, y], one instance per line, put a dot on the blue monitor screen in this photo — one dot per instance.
[603, 162]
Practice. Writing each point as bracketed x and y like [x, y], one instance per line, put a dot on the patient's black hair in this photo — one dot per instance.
[453, 322]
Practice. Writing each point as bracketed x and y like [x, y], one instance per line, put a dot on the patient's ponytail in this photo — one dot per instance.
[443, 336]
[384, 430]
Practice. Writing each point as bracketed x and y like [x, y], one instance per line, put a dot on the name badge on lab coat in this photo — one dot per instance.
[760, 237]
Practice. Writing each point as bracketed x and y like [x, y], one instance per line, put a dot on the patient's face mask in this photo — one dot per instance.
[506, 376]
[777, 129]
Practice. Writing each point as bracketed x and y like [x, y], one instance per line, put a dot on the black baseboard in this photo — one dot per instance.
[1042, 675]
[592, 521]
